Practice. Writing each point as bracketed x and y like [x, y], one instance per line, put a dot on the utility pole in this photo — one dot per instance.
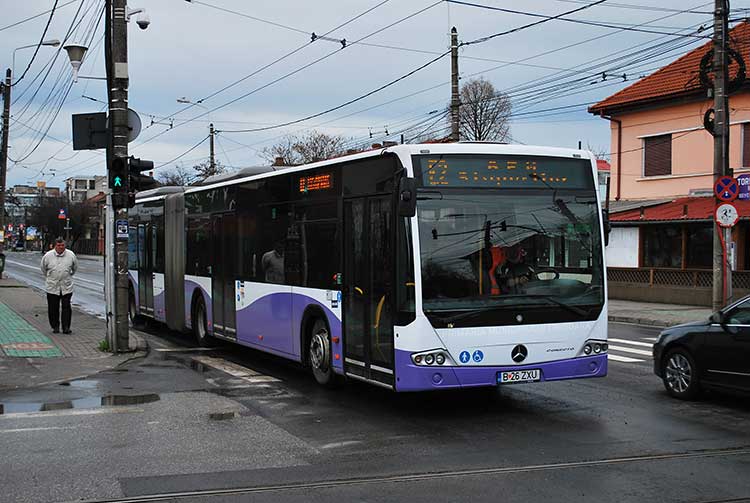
[455, 101]
[721, 270]
[212, 157]
[117, 79]
[4, 151]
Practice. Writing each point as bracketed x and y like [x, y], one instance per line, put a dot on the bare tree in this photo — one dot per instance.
[179, 175]
[311, 147]
[485, 112]
[601, 153]
[205, 170]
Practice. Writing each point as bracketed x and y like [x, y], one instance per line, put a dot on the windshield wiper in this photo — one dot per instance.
[475, 312]
[572, 309]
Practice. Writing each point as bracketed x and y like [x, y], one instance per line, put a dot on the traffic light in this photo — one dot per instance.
[118, 175]
[138, 181]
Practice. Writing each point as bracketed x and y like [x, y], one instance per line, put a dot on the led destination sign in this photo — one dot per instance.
[312, 183]
[505, 172]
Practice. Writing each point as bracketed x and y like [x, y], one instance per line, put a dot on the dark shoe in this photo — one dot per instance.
[55, 331]
[68, 331]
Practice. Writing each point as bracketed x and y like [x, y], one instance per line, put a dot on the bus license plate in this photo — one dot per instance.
[514, 376]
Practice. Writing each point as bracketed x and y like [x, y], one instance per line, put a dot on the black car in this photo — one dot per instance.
[703, 354]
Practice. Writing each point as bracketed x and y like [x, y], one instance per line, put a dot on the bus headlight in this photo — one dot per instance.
[432, 357]
[593, 346]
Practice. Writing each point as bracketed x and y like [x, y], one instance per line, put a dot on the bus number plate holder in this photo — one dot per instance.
[519, 376]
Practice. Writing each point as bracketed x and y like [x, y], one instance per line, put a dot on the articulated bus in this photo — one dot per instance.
[414, 267]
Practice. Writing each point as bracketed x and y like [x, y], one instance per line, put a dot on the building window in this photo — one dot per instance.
[80, 184]
[662, 246]
[657, 155]
[746, 145]
[92, 184]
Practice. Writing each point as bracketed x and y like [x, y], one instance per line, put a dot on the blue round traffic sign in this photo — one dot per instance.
[726, 188]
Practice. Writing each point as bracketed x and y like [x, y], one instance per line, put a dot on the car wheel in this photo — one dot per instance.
[200, 324]
[319, 354]
[680, 375]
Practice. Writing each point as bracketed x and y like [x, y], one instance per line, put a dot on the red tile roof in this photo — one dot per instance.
[682, 209]
[677, 79]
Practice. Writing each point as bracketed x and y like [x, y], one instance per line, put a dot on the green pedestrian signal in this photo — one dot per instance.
[118, 173]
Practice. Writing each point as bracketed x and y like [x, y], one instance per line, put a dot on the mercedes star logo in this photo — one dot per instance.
[519, 353]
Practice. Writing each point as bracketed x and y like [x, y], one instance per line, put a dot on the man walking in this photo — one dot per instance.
[58, 266]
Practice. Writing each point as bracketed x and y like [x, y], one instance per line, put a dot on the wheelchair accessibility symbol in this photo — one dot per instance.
[478, 356]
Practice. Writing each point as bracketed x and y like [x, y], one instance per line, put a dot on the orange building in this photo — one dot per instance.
[662, 171]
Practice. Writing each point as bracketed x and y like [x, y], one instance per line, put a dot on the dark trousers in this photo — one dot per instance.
[53, 309]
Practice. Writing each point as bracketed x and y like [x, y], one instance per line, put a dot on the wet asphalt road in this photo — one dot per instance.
[145, 430]
[88, 294]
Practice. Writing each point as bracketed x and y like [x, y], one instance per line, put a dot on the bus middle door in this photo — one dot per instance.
[145, 270]
[368, 288]
[223, 237]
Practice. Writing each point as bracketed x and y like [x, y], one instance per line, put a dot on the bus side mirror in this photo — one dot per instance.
[407, 197]
[607, 225]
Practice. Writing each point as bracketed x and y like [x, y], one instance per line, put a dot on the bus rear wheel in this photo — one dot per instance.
[200, 324]
[135, 318]
[319, 354]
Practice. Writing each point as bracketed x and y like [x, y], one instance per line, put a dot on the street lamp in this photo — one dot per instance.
[52, 42]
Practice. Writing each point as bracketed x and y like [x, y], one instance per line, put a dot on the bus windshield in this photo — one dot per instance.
[485, 249]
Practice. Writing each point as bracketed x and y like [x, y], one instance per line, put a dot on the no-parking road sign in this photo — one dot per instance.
[727, 189]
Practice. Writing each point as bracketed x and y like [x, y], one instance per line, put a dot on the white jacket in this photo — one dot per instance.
[58, 271]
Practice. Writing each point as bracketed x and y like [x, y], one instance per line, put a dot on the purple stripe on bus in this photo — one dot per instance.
[274, 322]
[190, 287]
[410, 377]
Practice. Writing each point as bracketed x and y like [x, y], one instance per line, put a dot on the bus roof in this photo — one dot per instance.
[406, 151]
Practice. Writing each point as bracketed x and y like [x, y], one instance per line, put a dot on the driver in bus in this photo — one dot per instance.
[515, 272]
[273, 263]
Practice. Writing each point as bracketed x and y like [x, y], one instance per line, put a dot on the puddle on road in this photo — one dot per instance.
[80, 403]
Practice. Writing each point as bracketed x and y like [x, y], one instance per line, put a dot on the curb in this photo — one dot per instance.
[639, 321]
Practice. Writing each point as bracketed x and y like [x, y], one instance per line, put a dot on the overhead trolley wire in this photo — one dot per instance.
[578, 21]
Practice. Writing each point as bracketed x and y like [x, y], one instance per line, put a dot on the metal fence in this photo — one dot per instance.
[692, 278]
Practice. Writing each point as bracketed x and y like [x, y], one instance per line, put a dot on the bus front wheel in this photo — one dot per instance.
[319, 354]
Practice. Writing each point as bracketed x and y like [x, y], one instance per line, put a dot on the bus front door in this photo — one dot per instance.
[223, 236]
[368, 288]
[145, 270]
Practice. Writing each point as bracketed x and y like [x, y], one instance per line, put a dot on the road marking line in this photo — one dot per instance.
[23, 430]
[71, 412]
[37, 269]
[630, 350]
[623, 359]
[234, 370]
[634, 343]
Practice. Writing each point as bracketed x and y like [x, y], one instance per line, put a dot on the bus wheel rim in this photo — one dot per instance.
[319, 350]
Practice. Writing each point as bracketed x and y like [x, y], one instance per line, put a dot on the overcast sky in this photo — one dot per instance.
[193, 50]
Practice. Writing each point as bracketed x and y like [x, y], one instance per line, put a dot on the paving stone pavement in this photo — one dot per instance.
[30, 354]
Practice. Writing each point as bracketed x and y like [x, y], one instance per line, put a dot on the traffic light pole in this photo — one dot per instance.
[117, 78]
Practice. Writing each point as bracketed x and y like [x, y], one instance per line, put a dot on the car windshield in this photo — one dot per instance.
[487, 248]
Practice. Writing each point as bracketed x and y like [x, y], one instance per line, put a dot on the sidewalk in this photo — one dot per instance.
[656, 315]
[31, 355]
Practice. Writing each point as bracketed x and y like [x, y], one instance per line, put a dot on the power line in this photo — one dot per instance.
[36, 50]
[36, 16]
[641, 7]
[184, 153]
